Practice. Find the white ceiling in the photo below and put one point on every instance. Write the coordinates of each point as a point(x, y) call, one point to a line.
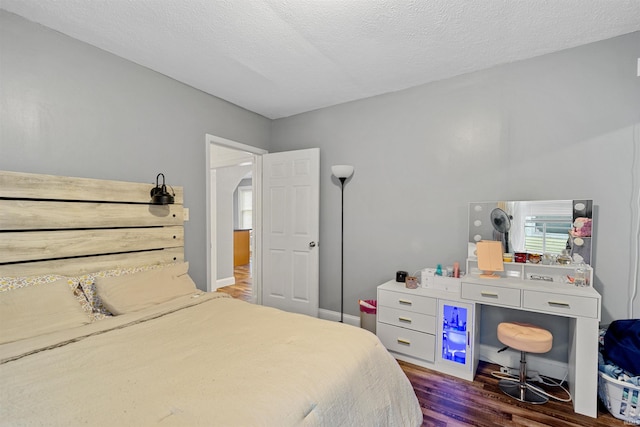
point(283, 57)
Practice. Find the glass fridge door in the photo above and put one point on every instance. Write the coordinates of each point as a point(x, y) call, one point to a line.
point(454, 333)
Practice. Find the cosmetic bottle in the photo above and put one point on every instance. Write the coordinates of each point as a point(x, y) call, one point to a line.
point(580, 275)
point(439, 270)
point(564, 258)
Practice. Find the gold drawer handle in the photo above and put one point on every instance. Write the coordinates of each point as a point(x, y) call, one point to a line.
point(404, 319)
point(489, 294)
point(404, 302)
point(403, 341)
point(558, 304)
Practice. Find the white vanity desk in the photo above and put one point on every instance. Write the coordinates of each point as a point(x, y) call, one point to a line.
point(580, 304)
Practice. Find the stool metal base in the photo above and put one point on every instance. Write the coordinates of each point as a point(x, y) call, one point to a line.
point(522, 392)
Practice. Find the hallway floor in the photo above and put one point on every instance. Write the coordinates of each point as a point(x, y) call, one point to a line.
point(242, 289)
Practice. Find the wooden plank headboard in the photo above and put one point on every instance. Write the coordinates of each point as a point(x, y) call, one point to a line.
point(70, 226)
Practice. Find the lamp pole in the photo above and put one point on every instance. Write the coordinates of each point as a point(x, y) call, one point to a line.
point(342, 180)
point(342, 172)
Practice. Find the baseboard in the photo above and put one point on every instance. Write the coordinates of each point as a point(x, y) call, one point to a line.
point(227, 281)
point(511, 359)
point(335, 316)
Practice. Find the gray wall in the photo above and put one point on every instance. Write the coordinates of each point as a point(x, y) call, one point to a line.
point(560, 126)
point(67, 108)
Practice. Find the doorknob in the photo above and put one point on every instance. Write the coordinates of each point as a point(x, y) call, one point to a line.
point(312, 245)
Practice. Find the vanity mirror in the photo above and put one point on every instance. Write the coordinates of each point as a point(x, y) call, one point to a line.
point(544, 228)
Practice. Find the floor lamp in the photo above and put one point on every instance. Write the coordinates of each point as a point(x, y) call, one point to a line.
point(342, 172)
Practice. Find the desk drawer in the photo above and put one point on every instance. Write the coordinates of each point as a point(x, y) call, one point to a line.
point(494, 295)
point(408, 302)
point(407, 319)
point(405, 341)
point(568, 305)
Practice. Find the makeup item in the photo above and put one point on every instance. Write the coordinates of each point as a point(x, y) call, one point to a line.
point(520, 257)
point(507, 257)
point(456, 269)
point(564, 258)
point(449, 271)
point(580, 275)
point(534, 258)
point(439, 270)
point(412, 282)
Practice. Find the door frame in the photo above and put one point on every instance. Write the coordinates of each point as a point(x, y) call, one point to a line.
point(211, 250)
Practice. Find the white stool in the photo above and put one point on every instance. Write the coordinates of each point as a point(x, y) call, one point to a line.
point(527, 339)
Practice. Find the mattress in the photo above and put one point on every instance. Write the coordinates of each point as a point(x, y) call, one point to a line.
point(205, 360)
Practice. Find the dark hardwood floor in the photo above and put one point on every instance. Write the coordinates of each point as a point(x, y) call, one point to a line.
point(447, 401)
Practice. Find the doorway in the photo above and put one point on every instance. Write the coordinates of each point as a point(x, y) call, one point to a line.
point(242, 288)
point(229, 165)
point(285, 255)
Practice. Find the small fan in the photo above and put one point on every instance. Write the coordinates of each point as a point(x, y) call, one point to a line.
point(501, 222)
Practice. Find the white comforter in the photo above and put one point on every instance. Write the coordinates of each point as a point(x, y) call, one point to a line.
point(205, 361)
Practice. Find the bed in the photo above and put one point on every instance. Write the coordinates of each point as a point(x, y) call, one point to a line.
point(101, 324)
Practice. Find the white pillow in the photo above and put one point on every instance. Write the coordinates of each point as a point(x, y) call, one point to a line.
point(36, 310)
point(88, 284)
point(134, 292)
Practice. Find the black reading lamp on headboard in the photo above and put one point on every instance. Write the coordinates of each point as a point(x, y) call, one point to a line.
point(160, 195)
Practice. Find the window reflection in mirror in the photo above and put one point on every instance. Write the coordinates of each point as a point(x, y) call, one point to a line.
point(534, 227)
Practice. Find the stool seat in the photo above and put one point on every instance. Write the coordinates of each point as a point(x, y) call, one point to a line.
point(525, 337)
point(528, 339)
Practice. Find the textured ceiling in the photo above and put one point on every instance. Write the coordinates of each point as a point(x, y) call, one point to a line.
point(283, 57)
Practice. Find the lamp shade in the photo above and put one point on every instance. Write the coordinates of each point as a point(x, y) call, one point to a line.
point(342, 171)
point(159, 194)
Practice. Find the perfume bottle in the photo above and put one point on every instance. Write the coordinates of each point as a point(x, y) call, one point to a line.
point(564, 258)
point(580, 275)
point(455, 317)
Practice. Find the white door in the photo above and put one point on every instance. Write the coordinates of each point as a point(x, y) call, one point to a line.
point(290, 256)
